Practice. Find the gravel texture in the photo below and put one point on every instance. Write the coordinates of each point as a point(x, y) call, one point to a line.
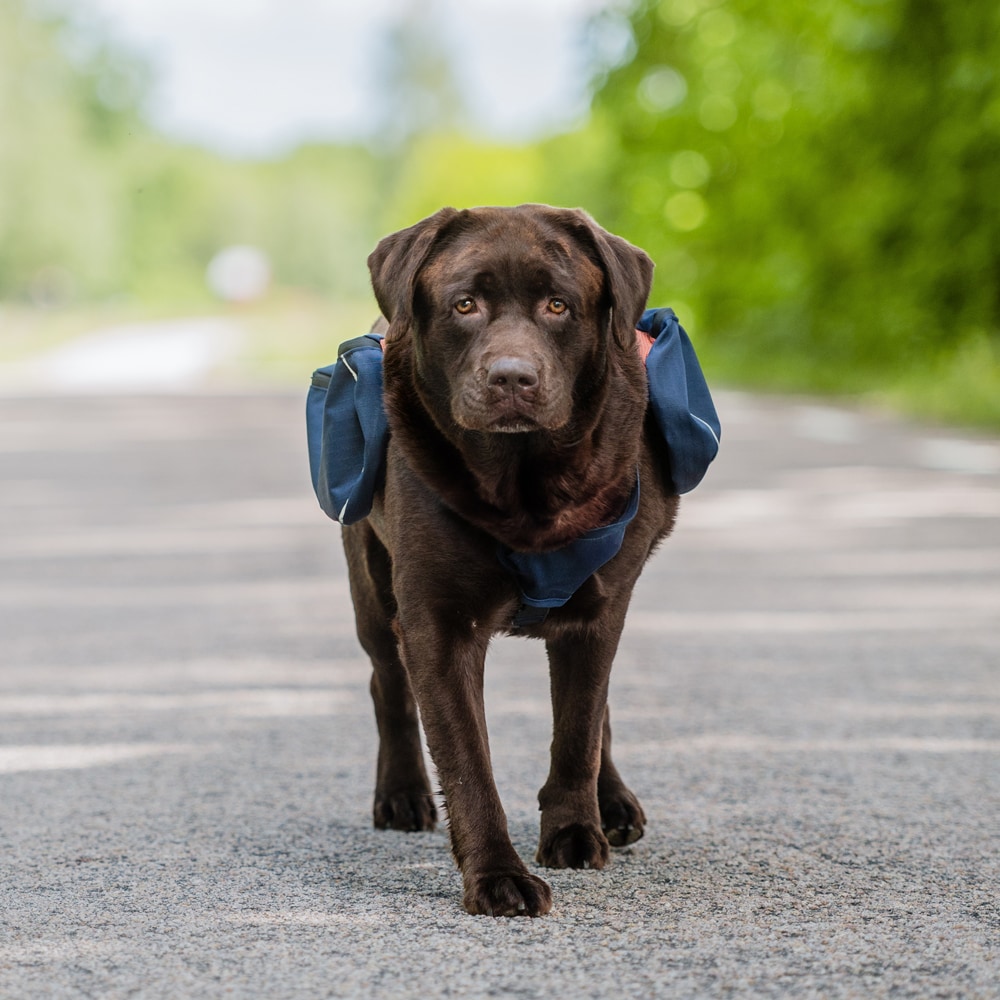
point(807, 701)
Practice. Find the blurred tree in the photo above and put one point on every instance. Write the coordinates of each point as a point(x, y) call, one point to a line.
point(93, 204)
point(63, 118)
point(816, 181)
point(418, 93)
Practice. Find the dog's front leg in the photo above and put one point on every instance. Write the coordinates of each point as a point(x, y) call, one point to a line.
point(446, 671)
point(580, 667)
point(403, 799)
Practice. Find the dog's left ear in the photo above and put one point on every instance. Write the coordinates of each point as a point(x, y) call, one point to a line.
point(394, 265)
point(629, 275)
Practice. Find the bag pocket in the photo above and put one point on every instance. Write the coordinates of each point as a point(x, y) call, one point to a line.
point(347, 430)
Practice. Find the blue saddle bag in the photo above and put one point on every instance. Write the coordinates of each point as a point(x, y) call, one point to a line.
point(679, 399)
point(348, 431)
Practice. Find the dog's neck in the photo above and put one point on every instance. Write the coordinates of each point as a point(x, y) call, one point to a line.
point(552, 485)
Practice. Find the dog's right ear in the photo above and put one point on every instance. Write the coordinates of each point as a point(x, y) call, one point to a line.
point(395, 263)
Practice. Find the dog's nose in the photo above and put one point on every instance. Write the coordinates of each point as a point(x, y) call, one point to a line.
point(515, 374)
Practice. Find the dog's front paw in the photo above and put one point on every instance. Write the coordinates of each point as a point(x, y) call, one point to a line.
point(579, 845)
point(622, 818)
point(404, 810)
point(509, 893)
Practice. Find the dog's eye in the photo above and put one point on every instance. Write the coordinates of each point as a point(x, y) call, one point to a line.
point(557, 306)
point(465, 305)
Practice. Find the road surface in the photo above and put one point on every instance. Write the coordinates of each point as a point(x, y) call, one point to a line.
point(807, 701)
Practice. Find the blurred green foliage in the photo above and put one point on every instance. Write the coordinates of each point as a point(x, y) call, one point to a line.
point(94, 205)
point(818, 184)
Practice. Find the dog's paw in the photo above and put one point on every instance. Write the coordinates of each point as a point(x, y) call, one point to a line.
point(409, 811)
point(622, 818)
point(510, 893)
point(578, 845)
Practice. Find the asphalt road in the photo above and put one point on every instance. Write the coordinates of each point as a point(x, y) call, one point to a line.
point(807, 701)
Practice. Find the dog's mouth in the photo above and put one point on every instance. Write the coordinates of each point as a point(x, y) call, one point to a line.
point(491, 416)
point(496, 420)
point(500, 405)
point(513, 424)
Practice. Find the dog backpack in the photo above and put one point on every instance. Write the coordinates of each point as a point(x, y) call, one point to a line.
point(348, 431)
point(678, 397)
point(348, 435)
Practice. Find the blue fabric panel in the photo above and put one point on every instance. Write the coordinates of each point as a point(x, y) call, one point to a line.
point(550, 579)
point(680, 400)
point(348, 431)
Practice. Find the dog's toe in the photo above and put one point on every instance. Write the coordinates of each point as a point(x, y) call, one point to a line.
point(507, 894)
point(622, 818)
point(578, 845)
point(408, 811)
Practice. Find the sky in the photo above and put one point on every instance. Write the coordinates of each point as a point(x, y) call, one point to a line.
point(257, 77)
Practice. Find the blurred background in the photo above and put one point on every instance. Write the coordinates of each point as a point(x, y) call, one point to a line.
point(193, 188)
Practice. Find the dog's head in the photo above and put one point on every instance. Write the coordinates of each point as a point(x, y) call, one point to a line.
point(510, 313)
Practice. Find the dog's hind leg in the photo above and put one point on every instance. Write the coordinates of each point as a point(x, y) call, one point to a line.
point(403, 798)
point(622, 818)
point(571, 834)
point(585, 804)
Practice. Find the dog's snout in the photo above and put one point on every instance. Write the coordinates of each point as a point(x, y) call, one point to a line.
point(512, 374)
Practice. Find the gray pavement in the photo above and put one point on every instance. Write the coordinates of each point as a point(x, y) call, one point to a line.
point(807, 701)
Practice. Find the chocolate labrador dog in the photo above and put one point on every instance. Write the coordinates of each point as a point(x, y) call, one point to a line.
point(519, 434)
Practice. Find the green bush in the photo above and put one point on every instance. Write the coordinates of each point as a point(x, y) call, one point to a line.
point(817, 183)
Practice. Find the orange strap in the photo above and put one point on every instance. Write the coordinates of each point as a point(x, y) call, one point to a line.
point(644, 341)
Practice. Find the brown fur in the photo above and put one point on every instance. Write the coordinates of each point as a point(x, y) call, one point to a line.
point(513, 419)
